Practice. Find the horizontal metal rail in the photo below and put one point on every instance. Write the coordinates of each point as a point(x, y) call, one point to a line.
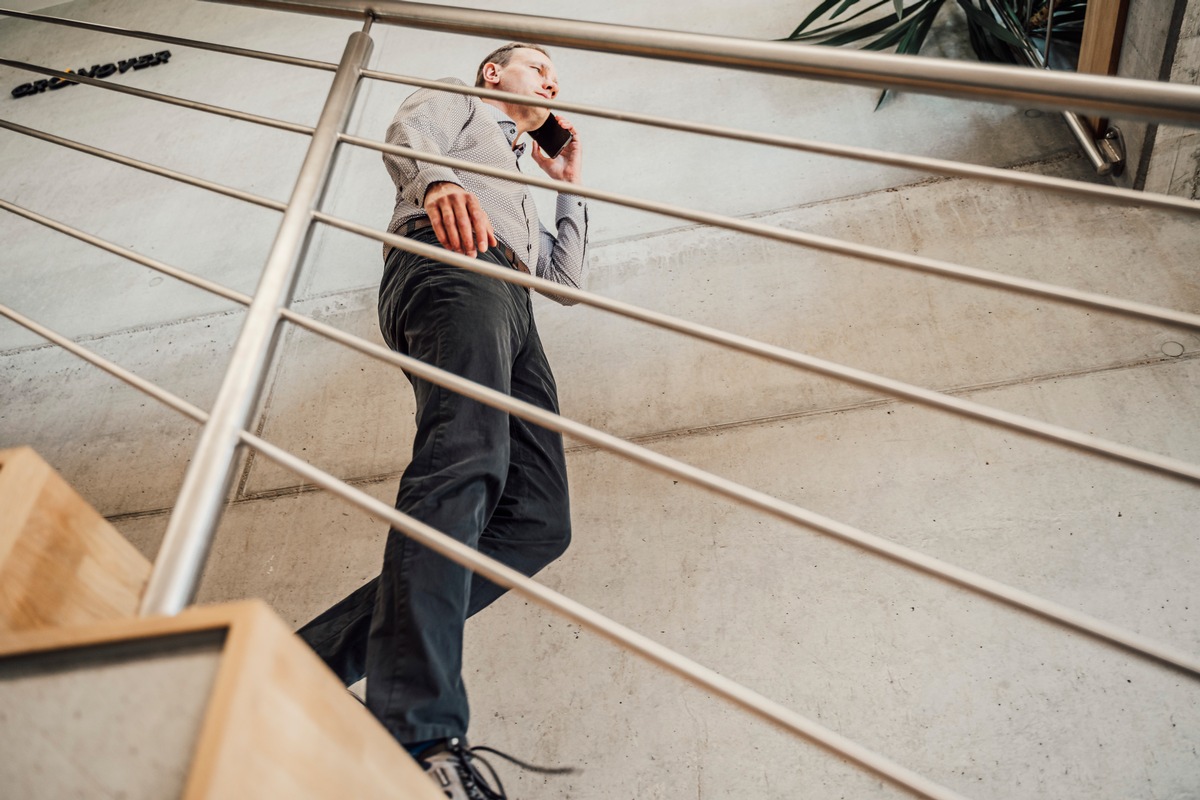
point(871, 543)
point(939, 166)
point(195, 105)
point(747, 699)
point(137, 382)
point(827, 244)
point(179, 40)
point(923, 163)
point(1013, 85)
point(1165, 465)
point(126, 253)
point(1064, 436)
point(154, 169)
point(1028, 287)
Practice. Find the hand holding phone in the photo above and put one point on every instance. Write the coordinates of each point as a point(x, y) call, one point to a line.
point(551, 136)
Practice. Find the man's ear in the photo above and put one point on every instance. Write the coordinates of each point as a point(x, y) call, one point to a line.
point(491, 72)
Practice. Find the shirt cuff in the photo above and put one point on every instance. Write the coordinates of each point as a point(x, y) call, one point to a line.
point(416, 189)
point(570, 206)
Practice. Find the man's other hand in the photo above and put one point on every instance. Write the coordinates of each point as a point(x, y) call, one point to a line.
point(569, 164)
point(461, 224)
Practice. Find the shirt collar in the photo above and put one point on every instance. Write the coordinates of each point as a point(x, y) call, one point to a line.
point(508, 127)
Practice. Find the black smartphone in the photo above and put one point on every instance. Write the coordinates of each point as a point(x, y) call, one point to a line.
point(551, 137)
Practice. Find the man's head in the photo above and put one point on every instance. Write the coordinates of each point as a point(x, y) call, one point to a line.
point(524, 69)
point(502, 56)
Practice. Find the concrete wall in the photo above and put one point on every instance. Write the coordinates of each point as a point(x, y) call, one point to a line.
point(1174, 167)
point(1162, 42)
point(990, 702)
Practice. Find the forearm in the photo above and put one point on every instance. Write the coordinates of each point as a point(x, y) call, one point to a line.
point(563, 257)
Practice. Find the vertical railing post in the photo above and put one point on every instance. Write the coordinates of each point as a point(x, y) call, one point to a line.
point(206, 485)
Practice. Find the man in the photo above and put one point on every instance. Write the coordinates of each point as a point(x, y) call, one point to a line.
point(492, 481)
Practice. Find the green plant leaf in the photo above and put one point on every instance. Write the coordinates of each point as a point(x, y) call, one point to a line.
point(866, 30)
point(899, 4)
point(888, 39)
point(814, 16)
point(911, 43)
point(845, 4)
point(988, 23)
point(818, 31)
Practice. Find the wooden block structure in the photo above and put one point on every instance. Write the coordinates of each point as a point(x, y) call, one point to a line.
point(218, 703)
point(1100, 48)
point(61, 563)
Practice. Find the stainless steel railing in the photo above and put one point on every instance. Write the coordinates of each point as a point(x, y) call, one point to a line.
point(202, 497)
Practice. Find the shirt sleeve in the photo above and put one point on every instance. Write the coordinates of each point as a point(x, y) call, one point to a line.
point(429, 121)
point(563, 258)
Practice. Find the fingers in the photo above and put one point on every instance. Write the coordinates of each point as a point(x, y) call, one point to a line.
point(439, 227)
point(459, 221)
point(479, 224)
point(462, 220)
point(567, 166)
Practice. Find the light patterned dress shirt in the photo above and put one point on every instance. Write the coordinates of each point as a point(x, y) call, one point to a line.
point(461, 126)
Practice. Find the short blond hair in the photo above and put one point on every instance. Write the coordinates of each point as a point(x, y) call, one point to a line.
point(502, 55)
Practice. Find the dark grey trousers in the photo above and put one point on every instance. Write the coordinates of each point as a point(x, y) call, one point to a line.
point(493, 482)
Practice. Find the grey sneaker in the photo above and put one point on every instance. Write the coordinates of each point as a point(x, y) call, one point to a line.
point(450, 763)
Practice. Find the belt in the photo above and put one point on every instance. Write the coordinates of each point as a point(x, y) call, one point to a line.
point(420, 223)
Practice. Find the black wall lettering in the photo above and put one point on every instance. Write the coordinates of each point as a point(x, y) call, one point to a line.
point(97, 71)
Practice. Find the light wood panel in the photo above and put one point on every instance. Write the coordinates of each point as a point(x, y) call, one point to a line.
point(278, 722)
point(1100, 49)
point(61, 563)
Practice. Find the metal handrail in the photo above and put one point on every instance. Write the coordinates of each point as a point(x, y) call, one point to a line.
point(226, 49)
point(153, 169)
point(870, 155)
point(904, 556)
point(824, 243)
point(878, 255)
point(195, 105)
point(938, 166)
point(746, 699)
point(201, 500)
point(827, 244)
point(1133, 99)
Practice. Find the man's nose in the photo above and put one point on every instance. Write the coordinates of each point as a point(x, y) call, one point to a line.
point(550, 85)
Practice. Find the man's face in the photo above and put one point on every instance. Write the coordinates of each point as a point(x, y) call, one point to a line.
point(528, 72)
